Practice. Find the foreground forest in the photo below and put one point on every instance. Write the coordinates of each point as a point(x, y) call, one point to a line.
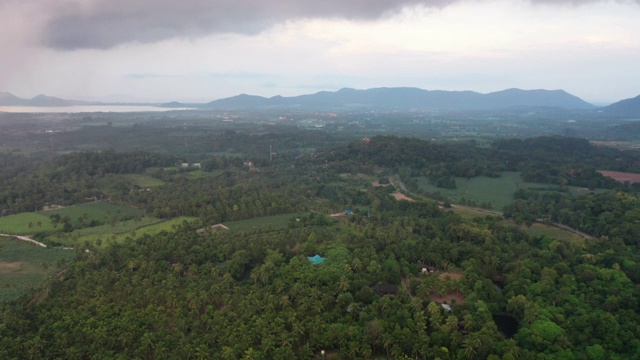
point(409, 278)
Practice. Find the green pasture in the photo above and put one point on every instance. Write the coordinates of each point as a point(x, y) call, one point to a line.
point(495, 191)
point(24, 223)
point(552, 231)
point(198, 174)
point(100, 211)
point(153, 229)
point(24, 266)
point(143, 181)
point(277, 222)
point(103, 232)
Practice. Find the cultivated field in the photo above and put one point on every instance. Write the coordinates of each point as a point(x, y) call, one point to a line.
point(24, 266)
point(621, 176)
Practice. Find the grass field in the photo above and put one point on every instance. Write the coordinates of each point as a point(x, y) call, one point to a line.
point(103, 232)
point(168, 225)
point(100, 211)
point(198, 174)
point(551, 231)
point(143, 181)
point(495, 191)
point(277, 222)
point(24, 266)
point(19, 223)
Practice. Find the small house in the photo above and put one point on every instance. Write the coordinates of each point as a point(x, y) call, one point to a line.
point(424, 268)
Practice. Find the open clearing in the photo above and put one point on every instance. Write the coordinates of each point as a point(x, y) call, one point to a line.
point(103, 232)
point(101, 211)
point(450, 298)
point(401, 196)
point(25, 223)
point(169, 225)
point(276, 222)
point(143, 181)
point(24, 266)
point(497, 192)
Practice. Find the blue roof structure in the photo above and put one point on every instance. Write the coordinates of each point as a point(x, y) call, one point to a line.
point(316, 259)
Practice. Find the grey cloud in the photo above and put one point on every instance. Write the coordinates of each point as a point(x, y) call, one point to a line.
point(103, 24)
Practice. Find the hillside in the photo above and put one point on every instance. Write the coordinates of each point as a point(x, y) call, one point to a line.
point(627, 107)
point(408, 98)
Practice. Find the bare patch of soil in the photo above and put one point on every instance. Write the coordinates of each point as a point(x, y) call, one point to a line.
point(621, 176)
point(448, 298)
point(401, 196)
point(452, 276)
point(7, 267)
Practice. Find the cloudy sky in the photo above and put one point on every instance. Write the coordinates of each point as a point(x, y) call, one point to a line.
point(200, 50)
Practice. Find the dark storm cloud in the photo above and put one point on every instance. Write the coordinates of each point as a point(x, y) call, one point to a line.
point(103, 24)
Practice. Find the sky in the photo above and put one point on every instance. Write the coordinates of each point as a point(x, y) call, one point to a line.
point(202, 50)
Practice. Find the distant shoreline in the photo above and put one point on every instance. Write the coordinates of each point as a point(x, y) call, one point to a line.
point(86, 109)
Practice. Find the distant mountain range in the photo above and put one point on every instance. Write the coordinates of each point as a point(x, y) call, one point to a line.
point(8, 99)
point(401, 98)
point(628, 107)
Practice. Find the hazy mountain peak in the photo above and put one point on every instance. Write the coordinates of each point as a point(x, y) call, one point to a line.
point(412, 98)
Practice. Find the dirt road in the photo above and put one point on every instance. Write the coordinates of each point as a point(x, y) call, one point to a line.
point(25, 238)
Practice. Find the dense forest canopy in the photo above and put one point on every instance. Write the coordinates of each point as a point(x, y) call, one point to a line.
point(401, 278)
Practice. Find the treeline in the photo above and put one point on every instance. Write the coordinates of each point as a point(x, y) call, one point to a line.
point(563, 160)
point(550, 160)
point(29, 183)
point(611, 214)
point(222, 198)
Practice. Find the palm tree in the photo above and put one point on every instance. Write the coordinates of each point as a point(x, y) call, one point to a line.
point(471, 345)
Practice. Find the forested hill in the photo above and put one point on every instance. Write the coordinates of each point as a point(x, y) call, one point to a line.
point(408, 98)
point(627, 107)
